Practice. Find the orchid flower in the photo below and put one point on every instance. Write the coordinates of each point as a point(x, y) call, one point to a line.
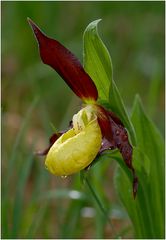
point(93, 129)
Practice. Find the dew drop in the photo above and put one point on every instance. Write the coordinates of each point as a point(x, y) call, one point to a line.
point(63, 176)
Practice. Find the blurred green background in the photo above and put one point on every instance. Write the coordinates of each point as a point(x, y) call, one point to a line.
point(134, 35)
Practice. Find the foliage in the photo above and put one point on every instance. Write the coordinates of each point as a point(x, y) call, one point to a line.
point(36, 205)
point(148, 156)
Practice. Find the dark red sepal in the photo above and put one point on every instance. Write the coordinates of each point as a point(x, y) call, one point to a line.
point(66, 64)
point(106, 145)
point(121, 140)
point(115, 118)
point(104, 122)
point(115, 136)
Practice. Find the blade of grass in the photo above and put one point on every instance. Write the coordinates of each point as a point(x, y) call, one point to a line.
point(153, 94)
point(15, 149)
point(100, 205)
point(70, 225)
point(19, 197)
point(98, 181)
point(38, 217)
point(13, 157)
point(146, 212)
point(5, 224)
point(152, 144)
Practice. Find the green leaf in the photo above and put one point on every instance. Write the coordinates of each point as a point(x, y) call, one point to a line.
point(139, 209)
point(151, 143)
point(97, 61)
point(144, 164)
point(98, 64)
point(147, 210)
point(124, 189)
point(149, 138)
point(154, 92)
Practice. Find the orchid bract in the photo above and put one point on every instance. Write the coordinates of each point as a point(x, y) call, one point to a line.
point(93, 130)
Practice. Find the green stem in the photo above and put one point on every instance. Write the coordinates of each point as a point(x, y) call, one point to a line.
point(100, 205)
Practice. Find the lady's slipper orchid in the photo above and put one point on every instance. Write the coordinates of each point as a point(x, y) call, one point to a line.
point(78, 147)
point(93, 129)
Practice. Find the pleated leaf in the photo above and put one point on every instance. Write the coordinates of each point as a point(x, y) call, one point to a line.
point(98, 64)
point(97, 61)
point(147, 211)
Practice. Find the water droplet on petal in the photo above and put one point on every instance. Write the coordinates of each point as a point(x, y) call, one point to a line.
point(63, 176)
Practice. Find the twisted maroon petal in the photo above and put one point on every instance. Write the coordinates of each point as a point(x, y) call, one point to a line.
point(104, 122)
point(120, 137)
point(115, 118)
point(115, 136)
point(106, 145)
point(66, 64)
